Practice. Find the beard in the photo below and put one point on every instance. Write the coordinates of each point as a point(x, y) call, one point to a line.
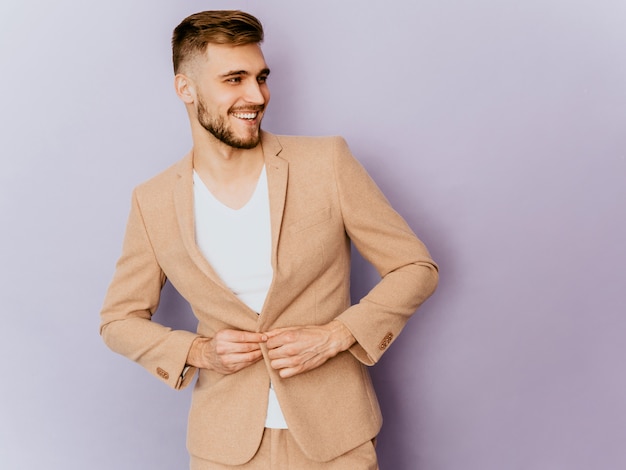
point(218, 128)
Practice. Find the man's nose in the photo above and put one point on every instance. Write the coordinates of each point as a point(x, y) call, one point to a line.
point(254, 94)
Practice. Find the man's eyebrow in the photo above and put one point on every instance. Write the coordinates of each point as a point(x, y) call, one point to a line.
point(233, 73)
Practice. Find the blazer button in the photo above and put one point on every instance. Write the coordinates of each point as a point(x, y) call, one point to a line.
point(386, 341)
point(162, 373)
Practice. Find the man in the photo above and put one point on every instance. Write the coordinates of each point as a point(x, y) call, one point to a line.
point(254, 231)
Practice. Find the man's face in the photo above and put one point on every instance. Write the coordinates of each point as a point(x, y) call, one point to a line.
point(232, 93)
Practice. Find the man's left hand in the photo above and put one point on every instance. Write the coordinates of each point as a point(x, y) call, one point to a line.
point(295, 350)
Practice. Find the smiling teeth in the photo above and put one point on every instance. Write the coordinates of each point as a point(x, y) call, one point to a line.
point(245, 115)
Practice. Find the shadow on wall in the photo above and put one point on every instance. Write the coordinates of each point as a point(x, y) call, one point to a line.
point(174, 311)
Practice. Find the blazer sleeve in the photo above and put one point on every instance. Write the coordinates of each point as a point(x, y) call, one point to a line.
point(408, 274)
point(133, 296)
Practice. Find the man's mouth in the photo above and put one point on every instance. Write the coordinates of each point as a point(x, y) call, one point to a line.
point(247, 116)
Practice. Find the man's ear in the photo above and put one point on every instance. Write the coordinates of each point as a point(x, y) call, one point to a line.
point(185, 88)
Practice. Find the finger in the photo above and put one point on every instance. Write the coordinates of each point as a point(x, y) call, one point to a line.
point(243, 359)
point(283, 364)
point(299, 359)
point(237, 336)
point(282, 338)
point(285, 350)
point(293, 370)
point(226, 347)
point(235, 362)
point(278, 331)
point(290, 372)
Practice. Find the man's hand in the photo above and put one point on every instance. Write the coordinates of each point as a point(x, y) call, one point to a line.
point(227, 352)
point(298, 349)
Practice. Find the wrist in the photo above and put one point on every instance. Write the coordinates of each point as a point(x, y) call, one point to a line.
point(342, 335)
point(196, 356)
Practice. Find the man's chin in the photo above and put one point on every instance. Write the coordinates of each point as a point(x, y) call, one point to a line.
point(238, 143)
point(246, 145)
point(250, 142)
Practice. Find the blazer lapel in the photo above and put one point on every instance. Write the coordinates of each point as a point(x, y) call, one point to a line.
point(277, 170)
point(277, 175)
point(183, 202)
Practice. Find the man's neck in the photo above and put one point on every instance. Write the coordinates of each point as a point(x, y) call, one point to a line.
point(230, 174)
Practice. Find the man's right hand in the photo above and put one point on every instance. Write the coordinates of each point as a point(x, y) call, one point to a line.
point(227, 352)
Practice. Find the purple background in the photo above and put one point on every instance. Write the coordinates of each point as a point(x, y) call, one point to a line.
point(496, 128)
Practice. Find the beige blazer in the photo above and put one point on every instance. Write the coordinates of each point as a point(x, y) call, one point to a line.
point(320, 200)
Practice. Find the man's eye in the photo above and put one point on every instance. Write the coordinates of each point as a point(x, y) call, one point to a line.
point(262, 79)
point(234, 80)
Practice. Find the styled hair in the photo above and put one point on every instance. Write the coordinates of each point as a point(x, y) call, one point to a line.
point(192, 36)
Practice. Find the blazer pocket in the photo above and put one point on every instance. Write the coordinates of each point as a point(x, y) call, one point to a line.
point(310, 220)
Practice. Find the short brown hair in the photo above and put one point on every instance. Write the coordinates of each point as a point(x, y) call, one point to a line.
point(196, 32)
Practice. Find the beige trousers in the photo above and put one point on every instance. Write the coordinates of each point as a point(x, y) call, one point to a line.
point(278, 451)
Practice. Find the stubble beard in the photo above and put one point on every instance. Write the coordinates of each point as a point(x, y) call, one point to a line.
point(219, 129)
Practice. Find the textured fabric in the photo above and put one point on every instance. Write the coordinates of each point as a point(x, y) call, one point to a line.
point(278, 451)
point(321, 199)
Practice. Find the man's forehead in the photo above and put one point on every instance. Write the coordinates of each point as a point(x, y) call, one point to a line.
point(248, 57)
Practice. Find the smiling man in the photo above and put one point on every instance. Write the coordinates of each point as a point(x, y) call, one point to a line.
point(254, 231)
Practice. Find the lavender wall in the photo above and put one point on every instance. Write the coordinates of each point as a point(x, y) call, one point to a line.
point(496, 128)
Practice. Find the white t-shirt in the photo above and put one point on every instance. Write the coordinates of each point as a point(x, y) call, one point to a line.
point(238, 245)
